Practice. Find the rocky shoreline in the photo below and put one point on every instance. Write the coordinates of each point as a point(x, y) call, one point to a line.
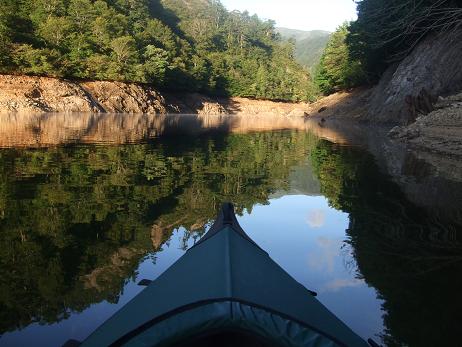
point(440, 131)
point(435, 127)
point(33, 94)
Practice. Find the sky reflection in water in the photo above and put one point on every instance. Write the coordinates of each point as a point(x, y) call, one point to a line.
point(314, 255)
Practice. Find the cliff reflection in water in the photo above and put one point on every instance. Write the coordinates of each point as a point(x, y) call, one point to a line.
point(77, 220)
point(41, 130)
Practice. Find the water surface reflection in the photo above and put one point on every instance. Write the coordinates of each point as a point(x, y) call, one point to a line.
point(88, 206)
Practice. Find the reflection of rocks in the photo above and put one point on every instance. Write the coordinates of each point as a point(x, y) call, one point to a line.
point(41, 130)
point(198, 225)
point(157, 236)
point(160, 233)
point(428, 179)
point(29, 130)
point(119, 261)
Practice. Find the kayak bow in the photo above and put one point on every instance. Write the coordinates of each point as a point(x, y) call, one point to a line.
point(224, 288)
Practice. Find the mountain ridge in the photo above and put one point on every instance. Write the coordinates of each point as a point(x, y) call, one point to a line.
point(309, 45)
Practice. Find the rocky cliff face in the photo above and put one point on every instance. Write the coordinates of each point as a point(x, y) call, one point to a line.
point(118, 97)
point(439, 132)
point(433, 69)
point(29, 94)
point(43, 94)
point(422, 95)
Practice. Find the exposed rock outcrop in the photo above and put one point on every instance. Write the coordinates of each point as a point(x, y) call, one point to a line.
point(341, 105)
point(193, 103)
point(118, 97)
point(439, 132)
point(42, 94)
point(408, 89)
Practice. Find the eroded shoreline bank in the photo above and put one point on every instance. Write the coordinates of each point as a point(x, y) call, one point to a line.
point(438, 131)
point(33, 94)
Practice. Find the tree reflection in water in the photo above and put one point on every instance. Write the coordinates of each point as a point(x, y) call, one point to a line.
point(76, 220)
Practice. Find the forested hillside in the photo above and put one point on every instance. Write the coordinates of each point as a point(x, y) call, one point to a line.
point(189, 45)
point(385, 32)
point(309, 45)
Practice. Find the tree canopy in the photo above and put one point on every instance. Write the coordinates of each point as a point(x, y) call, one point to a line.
point(337, 70)
point(191, 45)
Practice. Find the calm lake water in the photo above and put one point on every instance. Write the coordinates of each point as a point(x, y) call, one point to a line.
point(92, 204)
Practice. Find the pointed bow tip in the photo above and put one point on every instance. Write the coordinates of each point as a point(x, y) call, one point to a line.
point(227, 211)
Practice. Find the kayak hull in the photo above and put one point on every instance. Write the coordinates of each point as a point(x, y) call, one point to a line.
point(224, 285)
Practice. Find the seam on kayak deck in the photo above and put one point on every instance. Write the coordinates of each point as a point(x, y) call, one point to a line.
point(228, 262)
point(149, 324)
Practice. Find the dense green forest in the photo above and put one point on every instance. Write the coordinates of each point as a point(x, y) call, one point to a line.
point(197, 45)
point(385, 32)
point(190, 45)
point(336, 69)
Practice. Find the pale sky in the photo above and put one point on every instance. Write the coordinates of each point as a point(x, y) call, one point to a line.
point(299, 14)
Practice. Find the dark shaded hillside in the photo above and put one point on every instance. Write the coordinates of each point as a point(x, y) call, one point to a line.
point(309, 45)
point(410, 53)
point(418, 250)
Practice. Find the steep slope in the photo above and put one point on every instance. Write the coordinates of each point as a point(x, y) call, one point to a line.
point(309, 45)
point(410, 88)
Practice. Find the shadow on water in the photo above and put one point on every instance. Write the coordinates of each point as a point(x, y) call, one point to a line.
point(76, 219)
point(411, 255)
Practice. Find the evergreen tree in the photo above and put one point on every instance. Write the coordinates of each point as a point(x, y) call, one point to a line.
point(337, 70)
